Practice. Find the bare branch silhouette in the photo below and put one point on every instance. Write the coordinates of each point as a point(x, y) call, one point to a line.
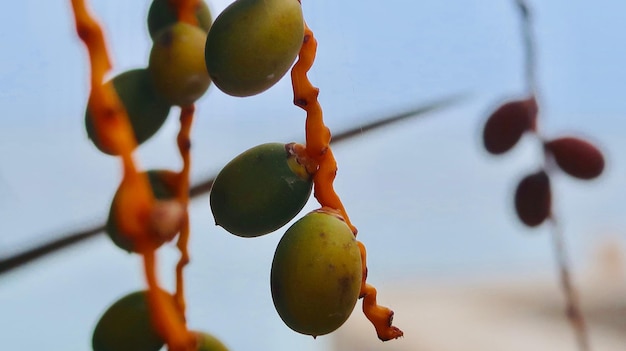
point(68, 239)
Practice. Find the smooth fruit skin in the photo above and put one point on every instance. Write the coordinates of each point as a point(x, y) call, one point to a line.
point(207, 342)
point(177, 64)
point(533, 199)
point(162, 190)
point(577, 157)
point(146, 109)
point(259, 191)
point(316, 274)
point(161, 15)
point(252, 44)
point(126, 326)
point(506, 125)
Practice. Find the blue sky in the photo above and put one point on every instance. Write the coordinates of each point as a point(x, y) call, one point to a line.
point(428, 201)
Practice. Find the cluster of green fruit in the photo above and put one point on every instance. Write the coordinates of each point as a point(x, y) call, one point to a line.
point(317, 271)
point(241, 56)
point(176, 75)
point(126, 326)
point(176, 72)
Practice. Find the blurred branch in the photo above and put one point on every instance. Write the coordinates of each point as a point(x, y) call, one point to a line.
point(71, 238)
point(529, 45)
point(573, 311)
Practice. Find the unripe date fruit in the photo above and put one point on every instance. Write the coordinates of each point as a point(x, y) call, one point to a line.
point(252, 44)
point(259, 191)
point(316, 274)
point(533, 199)
point(577, 157)
point(146, 109)
point(126, 326)
point(161, 15)
point(506, 125)
point(163, 187)
point(207, 342)
point(177, 64)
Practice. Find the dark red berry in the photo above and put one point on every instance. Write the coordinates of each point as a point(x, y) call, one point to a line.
point(533, 199)
point(506, 125)
point(576, 157)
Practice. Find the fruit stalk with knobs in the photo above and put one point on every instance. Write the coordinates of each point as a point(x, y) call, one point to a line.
point(138, 222)
point(320, 156)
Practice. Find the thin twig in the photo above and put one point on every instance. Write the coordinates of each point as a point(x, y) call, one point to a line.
point(573, 311)
point(69, 239)
point(529, 46)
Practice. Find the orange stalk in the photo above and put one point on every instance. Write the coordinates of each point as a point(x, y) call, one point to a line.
point(325, 168)
point(91, 33)
point(317, 134)
point(380, 316)
point(186, 10)
point(111, 122)
point(184, 146)
point(136, 199)
point(167, 319)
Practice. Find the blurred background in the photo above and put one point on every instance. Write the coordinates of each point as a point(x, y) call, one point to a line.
point(445, 249)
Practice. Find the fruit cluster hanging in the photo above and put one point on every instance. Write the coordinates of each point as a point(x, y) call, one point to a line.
point(319, 268)
point(572, 155)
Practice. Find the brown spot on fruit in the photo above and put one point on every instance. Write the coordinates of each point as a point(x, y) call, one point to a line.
point(316, 274)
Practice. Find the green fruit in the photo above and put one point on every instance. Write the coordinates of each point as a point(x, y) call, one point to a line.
point(253, 43)
point(316, 274)
point(207, 342)
point(259, 191)
point(177, 64)
point(146, 109)
point(161, 15)
point(162, 190)
point(126, 326)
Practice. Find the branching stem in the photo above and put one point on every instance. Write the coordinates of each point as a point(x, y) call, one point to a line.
point(573, 311)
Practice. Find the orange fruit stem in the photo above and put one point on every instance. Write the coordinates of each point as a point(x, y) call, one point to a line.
point(184, 147)
point(167, 318)
point(114, 130)
point(318, 150)
point(186, 10)
point(317, 134)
